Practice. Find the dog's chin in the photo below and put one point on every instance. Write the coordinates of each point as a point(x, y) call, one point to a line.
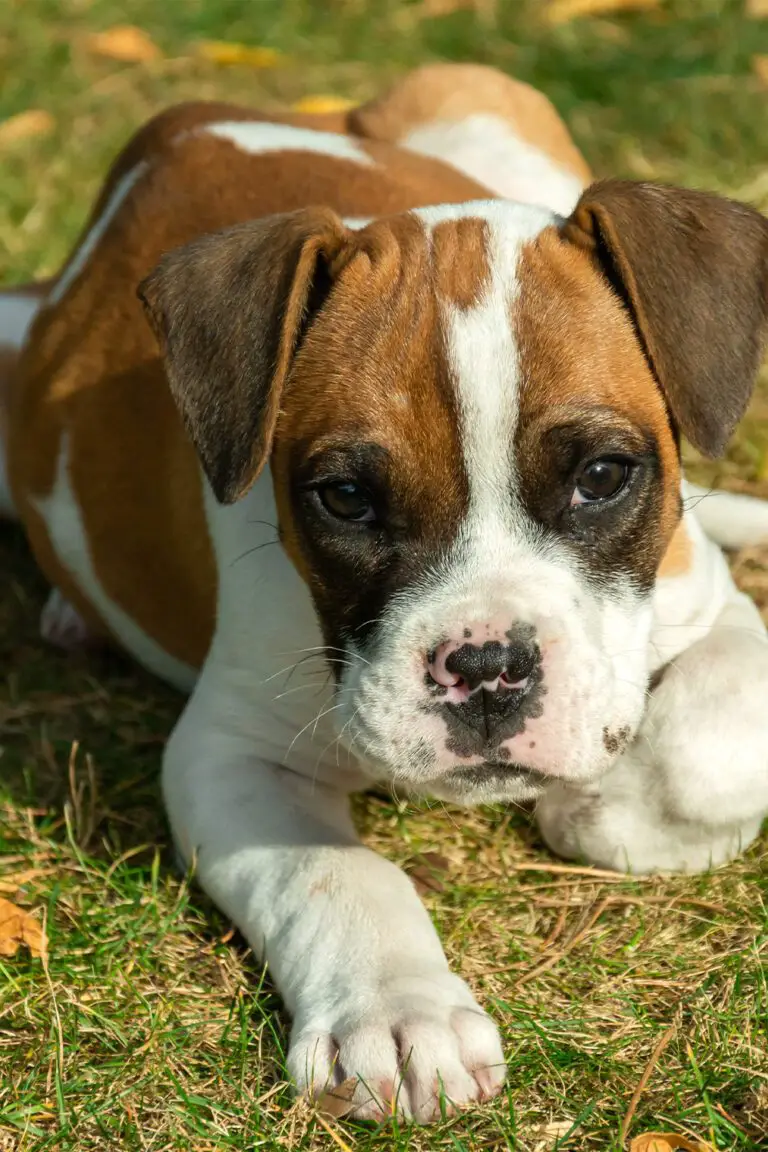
point(492, 782)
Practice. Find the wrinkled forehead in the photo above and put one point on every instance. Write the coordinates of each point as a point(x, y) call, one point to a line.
point(453, 329)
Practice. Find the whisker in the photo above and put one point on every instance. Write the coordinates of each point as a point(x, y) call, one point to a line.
point(250, 551)
point(316, 720)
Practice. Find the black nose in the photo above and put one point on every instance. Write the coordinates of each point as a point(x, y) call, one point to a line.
point(492, 661)
point(486, 717)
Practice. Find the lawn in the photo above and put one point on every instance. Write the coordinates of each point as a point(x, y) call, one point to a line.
point(149, 1026)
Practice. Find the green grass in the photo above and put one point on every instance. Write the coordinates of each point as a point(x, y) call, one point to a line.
point(152, 1027)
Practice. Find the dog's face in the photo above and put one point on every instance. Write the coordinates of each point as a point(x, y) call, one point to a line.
point(474, 452)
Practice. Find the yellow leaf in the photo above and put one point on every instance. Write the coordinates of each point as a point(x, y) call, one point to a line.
point(18, 927)
point(33, 122)
point(224, 52)
point(320, 104)
point(666, 1142)
point(760, 68)
point(561, 11)
point(757, 9)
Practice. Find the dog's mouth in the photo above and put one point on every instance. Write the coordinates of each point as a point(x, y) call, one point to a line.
point(497, 776)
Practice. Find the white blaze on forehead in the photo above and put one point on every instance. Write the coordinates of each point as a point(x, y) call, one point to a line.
point(483, 356)
point(256, 138)
point(487, 148)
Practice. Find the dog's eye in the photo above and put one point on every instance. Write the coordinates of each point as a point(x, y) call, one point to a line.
point(600, 480)
point(347, 501)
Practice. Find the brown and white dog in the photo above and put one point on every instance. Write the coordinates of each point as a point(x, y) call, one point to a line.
point(468, 376)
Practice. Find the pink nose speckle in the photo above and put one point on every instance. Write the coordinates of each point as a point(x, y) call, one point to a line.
point(436, 665)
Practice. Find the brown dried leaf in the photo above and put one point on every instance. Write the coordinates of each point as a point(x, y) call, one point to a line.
point(12, 881)
point(424, 871)
point(33, 122)
point(562, 11)
point(18, 927)
point(226, 52)
point(337, 1102)
point(124, 42)
point(666, 1142)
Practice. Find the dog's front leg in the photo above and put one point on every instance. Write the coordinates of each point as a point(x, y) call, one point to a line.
point(692, 790)
point(348, 943)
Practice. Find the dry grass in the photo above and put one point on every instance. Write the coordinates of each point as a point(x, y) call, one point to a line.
point(153, 1028)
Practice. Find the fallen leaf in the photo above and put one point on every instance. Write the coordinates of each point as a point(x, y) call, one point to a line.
point(666, 1142)
point(424, 870)
point(33, 122)
point(337, 1102)
point(760, 68)
point(756, 9)
point(18, 927)
point(547, 1135)
point(124, 42)
point(562, 11)
point(448, 7)
point(12, 881)
point(320, 104)
point(224, 52)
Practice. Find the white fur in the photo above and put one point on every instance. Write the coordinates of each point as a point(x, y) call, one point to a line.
point(17, 311)
point(64, 522)
point(732, 520)
point(82, 255)
point(255, 138)
point(61, 624)
point(487, 148)
point(692, 790)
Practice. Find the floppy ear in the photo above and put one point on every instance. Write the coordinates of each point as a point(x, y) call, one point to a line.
point(229, 311)
point(692, 269)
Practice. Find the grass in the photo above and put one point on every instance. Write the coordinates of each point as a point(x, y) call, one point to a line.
point(151, 1027)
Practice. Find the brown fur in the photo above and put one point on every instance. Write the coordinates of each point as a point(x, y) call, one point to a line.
point(692, 269)
point(94, 369)
point(460, 258)
point(403, 399)
point(580, 357)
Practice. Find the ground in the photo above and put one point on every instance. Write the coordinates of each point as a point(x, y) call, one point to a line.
point(149, 1026)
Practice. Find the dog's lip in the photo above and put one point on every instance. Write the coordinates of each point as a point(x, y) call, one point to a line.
point(498, 768)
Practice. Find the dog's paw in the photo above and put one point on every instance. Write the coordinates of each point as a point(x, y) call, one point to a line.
point(625, 825)
point(420, 1046)
point(62, 625)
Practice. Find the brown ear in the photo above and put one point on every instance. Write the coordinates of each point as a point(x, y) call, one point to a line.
point(692, 269)
point(229, 311)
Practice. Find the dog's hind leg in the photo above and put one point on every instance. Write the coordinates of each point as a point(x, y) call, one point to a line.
point(60, 622)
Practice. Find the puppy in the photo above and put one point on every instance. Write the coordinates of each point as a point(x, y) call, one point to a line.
point(406, 414)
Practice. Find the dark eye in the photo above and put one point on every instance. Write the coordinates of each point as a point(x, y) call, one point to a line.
point(600, 480)
point(347, 501)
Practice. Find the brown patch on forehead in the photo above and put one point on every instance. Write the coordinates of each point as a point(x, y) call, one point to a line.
point(460, 260)
point(373, 370)
point(579, 352)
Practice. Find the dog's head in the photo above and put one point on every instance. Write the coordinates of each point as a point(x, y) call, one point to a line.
point(472, 414)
